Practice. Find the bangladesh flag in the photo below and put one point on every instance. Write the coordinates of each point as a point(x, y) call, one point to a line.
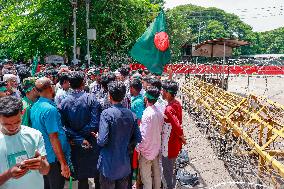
point(152, 48)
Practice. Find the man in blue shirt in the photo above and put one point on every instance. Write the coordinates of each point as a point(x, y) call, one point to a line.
point(137, 107)
point(118, 130)
point(137, 100)
point(80, 116)
point(46, 118)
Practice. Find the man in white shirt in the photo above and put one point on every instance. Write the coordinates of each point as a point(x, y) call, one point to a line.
point(63, 89)
point(22, 151)
point(151, 129)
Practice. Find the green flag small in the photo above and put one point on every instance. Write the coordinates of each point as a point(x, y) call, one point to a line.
point(152, 48)
point(35, 64)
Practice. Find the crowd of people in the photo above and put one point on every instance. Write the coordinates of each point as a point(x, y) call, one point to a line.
point(120, 128)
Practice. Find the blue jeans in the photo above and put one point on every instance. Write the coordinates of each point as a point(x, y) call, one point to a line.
point(113, 184)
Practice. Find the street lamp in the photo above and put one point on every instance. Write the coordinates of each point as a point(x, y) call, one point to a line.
point(88, 26)
point(74, 4)
point(198, 39)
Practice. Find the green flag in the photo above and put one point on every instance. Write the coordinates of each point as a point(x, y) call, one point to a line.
point(152, 48)
point(35, 64)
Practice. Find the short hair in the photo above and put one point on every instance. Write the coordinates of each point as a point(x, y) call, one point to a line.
point(170, 86)
point(23, 72)
point(156, 83)
point(140, 71)
point(117, 90)
point(64, 76)
point(136, 84)
point(124, 71)
point(152, 94)
point(48, 73)
point(146, 79)
point(111, 76)
point(146, 72)
point(106, 79)
point(136, 75)
point(54, 73)
point(10, 106)
point(76, 79)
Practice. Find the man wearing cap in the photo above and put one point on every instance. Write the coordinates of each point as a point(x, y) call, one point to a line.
point(31, 95)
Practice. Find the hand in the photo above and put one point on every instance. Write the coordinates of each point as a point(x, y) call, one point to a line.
point(65, 171)
point(85, 144)
point(33, 163)
point(17, 172)
point(183, 139)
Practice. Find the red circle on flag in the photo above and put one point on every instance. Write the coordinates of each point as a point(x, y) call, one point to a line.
point(161, 41)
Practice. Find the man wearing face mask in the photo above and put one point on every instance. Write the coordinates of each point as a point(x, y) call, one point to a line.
point(22, 151)
point(46, 118)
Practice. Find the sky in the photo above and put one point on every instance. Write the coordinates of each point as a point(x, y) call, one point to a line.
point(262, 15)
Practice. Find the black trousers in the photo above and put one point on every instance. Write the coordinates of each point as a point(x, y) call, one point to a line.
point(113, 184)
point(84, 183)
point(54, 179)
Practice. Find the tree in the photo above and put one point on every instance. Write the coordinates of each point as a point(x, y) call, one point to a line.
point(46, 26)
point(187, 20)
point(272, 41)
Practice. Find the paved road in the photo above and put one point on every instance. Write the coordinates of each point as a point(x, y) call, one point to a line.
point(203, 160)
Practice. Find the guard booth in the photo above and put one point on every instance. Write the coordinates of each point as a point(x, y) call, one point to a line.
point(217, 48)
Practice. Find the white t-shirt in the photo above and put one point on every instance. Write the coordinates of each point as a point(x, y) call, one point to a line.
point(16, 148)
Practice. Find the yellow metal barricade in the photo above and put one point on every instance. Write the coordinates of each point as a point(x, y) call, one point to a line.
point(256, 120)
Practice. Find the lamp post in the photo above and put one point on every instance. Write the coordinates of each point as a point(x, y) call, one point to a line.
point(88, 26)
point(223, 66)
point(198, 39)
point(74, 4)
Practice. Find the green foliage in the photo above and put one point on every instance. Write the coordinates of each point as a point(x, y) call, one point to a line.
point(159, 2)
point(187, 21)
point(46, 25)
point(272, 41)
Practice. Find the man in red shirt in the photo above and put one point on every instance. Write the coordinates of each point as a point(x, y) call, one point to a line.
point(172, 134)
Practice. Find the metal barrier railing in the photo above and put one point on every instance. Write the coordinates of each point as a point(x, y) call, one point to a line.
point(254, 120)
